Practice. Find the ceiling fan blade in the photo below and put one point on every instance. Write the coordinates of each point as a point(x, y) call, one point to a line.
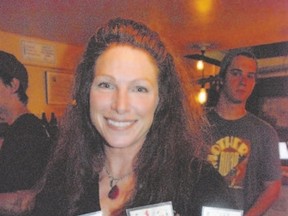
point(204, 58)
point(195, 56)
point(209, 79)
point(211, 61)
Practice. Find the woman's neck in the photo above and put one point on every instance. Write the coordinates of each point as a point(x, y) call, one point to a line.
point(120, 161)
point(116, 181)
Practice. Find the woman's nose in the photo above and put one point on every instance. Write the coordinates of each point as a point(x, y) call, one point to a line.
point(121, 101)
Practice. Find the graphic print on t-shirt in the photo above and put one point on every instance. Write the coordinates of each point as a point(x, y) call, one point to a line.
point(230, 155)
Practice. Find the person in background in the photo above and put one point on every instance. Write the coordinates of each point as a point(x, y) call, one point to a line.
point(3, 128)
point(244, 148)
point(26, 144)
point(129, 139)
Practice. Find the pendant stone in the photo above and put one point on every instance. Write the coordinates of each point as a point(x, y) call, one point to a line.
point(114, 192)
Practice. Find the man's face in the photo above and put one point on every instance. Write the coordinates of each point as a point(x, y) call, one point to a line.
point(5, 98)
point(240, 80)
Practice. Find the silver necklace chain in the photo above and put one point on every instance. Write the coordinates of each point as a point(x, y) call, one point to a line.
point(113, 180)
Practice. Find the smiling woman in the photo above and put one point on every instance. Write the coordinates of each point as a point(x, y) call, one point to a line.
point(124, 96)
point(129, 140)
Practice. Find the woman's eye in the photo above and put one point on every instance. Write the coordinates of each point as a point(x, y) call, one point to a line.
point(141, 89)
point(105, 85)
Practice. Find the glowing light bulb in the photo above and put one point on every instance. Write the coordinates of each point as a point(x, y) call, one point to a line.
point(200, 65)
point(202, 96)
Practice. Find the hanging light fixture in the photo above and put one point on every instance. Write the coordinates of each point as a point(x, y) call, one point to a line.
point(202, 95)
point(200, 65)
point(200, 62)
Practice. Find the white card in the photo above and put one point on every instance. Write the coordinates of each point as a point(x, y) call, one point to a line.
point(98, 213)
point(160, 209)
point(283, 150)
point(213, 211)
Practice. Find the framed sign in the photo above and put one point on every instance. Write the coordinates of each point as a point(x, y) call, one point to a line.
point(38, 52)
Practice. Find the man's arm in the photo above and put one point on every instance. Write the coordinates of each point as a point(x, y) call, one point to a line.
point(17, 202)
point(266, 198)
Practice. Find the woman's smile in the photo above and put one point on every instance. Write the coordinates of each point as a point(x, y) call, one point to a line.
point(120, 124)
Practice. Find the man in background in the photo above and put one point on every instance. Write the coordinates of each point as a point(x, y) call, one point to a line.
point(26, 143)
point(3, 128)
point(244, 148)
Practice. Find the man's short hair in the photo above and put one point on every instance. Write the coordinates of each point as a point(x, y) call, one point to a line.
point(11, 68)
point(228, 58)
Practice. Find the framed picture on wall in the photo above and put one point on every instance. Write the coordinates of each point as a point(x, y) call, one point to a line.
point(58, 87)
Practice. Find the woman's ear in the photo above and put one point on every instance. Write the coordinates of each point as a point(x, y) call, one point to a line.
point(14, 85)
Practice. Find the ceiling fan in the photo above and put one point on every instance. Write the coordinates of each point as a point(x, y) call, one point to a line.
point(203, 58)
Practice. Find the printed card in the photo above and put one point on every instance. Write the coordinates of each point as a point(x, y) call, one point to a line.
point(98, 213)
point(283, 151)
point(161, 209)
point(212, 211)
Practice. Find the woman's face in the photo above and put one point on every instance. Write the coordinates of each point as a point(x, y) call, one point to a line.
point(124, 95)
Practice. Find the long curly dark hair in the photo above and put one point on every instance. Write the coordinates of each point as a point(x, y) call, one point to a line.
point(172, 143)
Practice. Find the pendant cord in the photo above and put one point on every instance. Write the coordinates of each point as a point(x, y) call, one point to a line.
point(115, 180)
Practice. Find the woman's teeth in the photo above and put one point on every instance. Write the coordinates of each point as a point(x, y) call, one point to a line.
point(119, 124)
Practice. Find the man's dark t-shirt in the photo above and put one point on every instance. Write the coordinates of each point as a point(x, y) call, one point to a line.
point(24, 154)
